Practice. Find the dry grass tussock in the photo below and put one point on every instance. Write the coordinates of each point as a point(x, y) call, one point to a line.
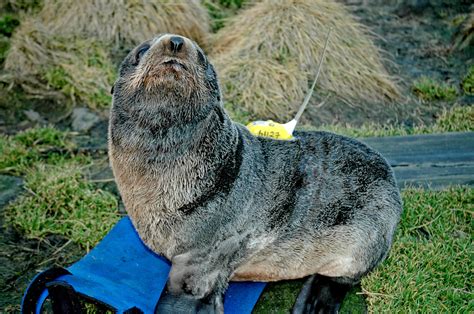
point(67, 48)
point(129, 22)
point(49, 66)
point(283, 41)
point(262, 86)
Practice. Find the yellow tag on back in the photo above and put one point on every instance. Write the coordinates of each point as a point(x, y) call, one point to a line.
point(269, 129)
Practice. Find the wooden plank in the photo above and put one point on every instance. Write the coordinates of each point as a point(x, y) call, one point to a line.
point(430, 161)
point(435, 177)
point(431, 148)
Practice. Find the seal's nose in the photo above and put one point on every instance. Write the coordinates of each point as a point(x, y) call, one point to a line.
point(176, 43)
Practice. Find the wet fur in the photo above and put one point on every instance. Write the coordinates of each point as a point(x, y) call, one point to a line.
point(222, 204)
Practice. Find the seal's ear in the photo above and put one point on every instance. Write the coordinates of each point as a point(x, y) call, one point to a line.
point(201, 57)
point(112, 89)
point(212, 82)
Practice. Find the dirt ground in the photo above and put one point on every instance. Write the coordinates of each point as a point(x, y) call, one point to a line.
point(418, 38)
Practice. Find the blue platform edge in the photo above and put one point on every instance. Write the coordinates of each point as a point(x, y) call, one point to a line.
point(123, 273)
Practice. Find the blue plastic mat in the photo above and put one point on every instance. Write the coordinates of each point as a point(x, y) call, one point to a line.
point(123, 273)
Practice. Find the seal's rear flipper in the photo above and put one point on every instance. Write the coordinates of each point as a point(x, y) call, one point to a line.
point(321, 294)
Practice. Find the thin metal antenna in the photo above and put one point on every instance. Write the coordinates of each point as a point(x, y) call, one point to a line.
point(310, 93)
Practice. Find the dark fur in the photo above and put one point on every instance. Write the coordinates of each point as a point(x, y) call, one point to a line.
point(221, 203)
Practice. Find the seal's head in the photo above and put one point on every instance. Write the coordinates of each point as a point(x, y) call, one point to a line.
point(169, 73)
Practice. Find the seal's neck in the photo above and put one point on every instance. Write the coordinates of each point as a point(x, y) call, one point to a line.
point(175, 164)
point(167, 131)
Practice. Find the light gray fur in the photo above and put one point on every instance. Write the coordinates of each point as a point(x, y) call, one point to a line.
point(321, 203)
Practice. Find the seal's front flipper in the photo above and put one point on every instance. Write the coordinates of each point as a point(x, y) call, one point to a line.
point(321, 294)
point(187, 304)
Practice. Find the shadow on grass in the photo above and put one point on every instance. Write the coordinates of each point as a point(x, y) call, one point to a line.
point(279, 297)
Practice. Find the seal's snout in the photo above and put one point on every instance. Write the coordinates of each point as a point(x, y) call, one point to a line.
point(173, 46)
point(166, 63)
point(173, 50)
point(176, 43)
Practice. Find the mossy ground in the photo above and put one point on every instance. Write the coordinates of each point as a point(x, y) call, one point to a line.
point(467, 84)
point(18, 153)
point(60, 201)
point(430, 266)
point(456, 119)
point(428, 89)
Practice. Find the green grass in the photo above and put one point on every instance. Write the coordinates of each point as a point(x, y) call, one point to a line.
point(428, 89)
point(467, 83)
point(430, 267)
point(8, 23)
point(21, 6)
point(4, 46)
point(456, 119)
point(60, 201)
point(278, 297)
point(220, 10)
point(21, 151)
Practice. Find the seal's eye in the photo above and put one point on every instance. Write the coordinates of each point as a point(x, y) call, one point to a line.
point(141, 52)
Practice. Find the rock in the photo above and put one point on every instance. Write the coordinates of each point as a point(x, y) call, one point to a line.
point(10, 187)
point(33, 116)
point(459, 234)
point(83, 119)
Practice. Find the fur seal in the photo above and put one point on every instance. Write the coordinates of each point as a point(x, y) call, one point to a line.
point(222, 204)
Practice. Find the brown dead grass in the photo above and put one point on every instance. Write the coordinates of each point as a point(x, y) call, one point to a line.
point(67, 48)
point(277, 35)
point(263, 86)
point(126, 22)
point(52, 66)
